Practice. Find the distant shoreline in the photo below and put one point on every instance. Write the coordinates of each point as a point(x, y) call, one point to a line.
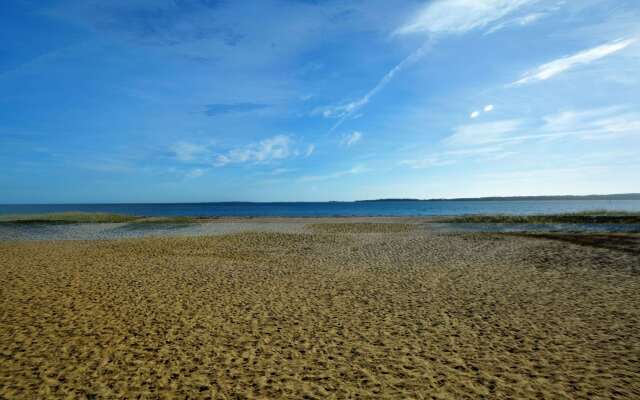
point(616, 196)
point(621, 196)
point(363, 208)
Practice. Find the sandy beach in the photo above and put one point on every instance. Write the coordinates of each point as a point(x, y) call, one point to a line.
point(320, 309)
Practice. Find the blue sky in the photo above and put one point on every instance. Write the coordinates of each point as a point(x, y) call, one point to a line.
point(216, 100)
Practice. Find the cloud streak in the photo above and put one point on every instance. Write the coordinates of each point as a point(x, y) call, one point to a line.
point(213, 110)
point(274, 148)
point(443, 17)
point(459, 16)
point(351, 139)
point(451, 157)
point(553, 68)
point(358, 169)
point(520, 21)
point(186, 151)
point(593, 124)
point(493, 141)
point(342, 112)
point(483, 133)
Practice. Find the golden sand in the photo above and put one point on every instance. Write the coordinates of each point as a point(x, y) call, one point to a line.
point(345, 312)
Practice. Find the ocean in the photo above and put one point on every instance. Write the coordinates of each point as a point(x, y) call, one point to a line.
point(329, 209)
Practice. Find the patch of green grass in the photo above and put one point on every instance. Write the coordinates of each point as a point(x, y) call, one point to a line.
point(585, 217)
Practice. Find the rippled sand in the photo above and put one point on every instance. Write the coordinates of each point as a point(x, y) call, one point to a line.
point(345, 311)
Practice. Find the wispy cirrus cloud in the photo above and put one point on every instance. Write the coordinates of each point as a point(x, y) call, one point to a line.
point(438, 17)
point(350, 139)
point(213, 110)
point(483, 133)
point(459, 16)
point(343, 111)
point(274, 148)
point(553, 68)
point(497, 140)
point(522, 21)
point(187, 151)
point(594, 124)
point(591, 124)
point(358, 169)
point(450, 157)
point(310, 149)
point(278, 147)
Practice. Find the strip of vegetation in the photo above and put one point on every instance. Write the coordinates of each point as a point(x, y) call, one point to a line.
point(628, 243)
point(85, 217)
point(65, 218)
point(587, 217)
point(362, 227)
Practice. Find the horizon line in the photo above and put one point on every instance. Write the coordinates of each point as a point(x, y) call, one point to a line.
point(485, 198)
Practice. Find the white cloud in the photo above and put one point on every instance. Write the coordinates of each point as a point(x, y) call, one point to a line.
point(459, 16)
point(476, 114)
point(310, 149)
point(344, 111)
point(553, 68)
point(599, 123)
point(483, 133)
point(594, 124)
point(275, 148)
point(520, 21)
point(358, 169)
point(450, 16)
point(529, 19)
point(449, 157)
point(351, 139)
point(185, 151)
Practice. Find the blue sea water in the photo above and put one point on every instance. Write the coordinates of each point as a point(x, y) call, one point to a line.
point(326, 209)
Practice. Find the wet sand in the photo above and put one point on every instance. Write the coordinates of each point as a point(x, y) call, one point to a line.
point(383, 309)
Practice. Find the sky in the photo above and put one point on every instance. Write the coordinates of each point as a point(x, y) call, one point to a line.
point(312, 100)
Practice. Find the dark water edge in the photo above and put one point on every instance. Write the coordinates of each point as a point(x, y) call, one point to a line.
point(332, 209)
point(534, 228)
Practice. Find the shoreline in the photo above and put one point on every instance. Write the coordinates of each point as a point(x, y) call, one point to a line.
point(84, 226)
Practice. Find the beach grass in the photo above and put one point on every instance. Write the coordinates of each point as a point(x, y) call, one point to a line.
point(76, 217)
point(70, 217)
point(362, 227)
point(625, 242)
point(584, 217)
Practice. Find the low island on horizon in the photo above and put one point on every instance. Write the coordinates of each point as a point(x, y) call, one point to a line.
point(614, 196)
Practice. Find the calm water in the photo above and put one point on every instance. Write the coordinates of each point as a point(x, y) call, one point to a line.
point(391, 208)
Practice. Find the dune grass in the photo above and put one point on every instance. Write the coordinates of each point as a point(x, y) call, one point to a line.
point(74, 217)
point(625, 242)
point(585, 217)
point(70, 217)
point(362, 227)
